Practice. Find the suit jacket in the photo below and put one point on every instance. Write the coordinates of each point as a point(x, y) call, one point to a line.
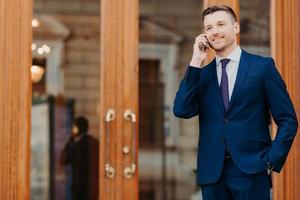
point(259, 92)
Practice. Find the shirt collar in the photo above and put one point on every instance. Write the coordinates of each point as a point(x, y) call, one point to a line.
point(235, 55)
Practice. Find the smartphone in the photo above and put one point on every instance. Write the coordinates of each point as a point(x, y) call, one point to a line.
point(208, 43)
point(205, 48)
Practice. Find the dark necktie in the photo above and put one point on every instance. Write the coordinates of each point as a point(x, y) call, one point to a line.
point(224, 84)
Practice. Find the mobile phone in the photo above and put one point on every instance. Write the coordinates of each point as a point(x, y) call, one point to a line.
point(208, 42)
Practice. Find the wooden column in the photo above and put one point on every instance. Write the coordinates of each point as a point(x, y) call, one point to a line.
point(119, 91)
point(285, 40)
point(15, 98)
point(234, 4)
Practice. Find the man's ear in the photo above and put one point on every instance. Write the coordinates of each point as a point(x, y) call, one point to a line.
point(236, 26)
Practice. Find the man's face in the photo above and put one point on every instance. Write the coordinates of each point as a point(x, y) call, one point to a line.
point(75, 130)
point(220, 30)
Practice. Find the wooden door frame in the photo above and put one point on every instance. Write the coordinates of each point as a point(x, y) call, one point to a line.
point(118, 91)
point(15, 101)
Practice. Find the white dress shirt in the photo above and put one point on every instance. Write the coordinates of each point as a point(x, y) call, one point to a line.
point(231, 68)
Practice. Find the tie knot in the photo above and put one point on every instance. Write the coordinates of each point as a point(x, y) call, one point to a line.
point(224, 62)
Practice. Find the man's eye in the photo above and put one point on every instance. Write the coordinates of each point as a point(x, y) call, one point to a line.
point(221, 24)
point(208, 28)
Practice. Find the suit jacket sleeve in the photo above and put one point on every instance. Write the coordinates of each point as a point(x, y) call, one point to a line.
point(67, 155)
point(283, 114)
point(186, 104)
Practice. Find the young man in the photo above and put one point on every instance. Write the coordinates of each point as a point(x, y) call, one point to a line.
point(233, 97)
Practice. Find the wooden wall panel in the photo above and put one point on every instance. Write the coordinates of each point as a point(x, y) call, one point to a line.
point(119, 90)
point(15, 98)
point(234, 4)
point(285, 41)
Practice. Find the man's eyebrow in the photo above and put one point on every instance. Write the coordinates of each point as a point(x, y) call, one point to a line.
point(221, 21)
point(207, 25)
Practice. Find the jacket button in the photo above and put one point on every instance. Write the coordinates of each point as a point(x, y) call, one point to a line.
point(222, 141)
point(226, 120)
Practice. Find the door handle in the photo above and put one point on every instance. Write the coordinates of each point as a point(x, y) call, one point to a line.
point(109, 169)
point(130, 170)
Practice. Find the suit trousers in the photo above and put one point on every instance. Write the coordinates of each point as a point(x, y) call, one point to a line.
point(236, 185)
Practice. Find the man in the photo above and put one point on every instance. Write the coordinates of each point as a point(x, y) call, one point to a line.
point(81, 152)
point(233, 97)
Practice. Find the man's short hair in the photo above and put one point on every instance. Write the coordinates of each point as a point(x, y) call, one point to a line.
point(215, 8)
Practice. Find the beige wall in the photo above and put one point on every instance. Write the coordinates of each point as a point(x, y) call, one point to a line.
point(82, 66)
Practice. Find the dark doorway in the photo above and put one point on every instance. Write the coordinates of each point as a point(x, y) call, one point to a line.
point(151, 138)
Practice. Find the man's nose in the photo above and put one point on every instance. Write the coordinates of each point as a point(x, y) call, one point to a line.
point(215, 33)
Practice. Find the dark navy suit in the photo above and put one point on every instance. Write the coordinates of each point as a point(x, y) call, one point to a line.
point(243, 129)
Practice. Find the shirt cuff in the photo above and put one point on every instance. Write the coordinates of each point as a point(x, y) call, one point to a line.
point(269, 168)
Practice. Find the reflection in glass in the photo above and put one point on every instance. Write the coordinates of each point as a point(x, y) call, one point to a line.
point(65, 85)
point(80, 153)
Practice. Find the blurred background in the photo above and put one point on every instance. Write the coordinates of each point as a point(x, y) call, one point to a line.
point(65, 75)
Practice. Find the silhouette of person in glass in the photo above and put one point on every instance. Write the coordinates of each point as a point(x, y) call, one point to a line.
point(81, 152)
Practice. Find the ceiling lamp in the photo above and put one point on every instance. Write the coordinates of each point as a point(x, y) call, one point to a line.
point(35, 23)
point(37, 73)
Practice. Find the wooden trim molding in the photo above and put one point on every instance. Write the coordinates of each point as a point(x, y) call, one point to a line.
point(285, 41)
point(15, 101)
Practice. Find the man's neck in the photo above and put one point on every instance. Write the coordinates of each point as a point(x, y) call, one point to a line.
point(225, 52)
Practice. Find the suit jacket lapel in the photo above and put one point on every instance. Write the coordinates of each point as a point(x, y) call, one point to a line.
point(242, 71)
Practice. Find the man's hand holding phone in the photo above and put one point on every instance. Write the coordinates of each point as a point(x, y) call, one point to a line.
point(200, 51)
